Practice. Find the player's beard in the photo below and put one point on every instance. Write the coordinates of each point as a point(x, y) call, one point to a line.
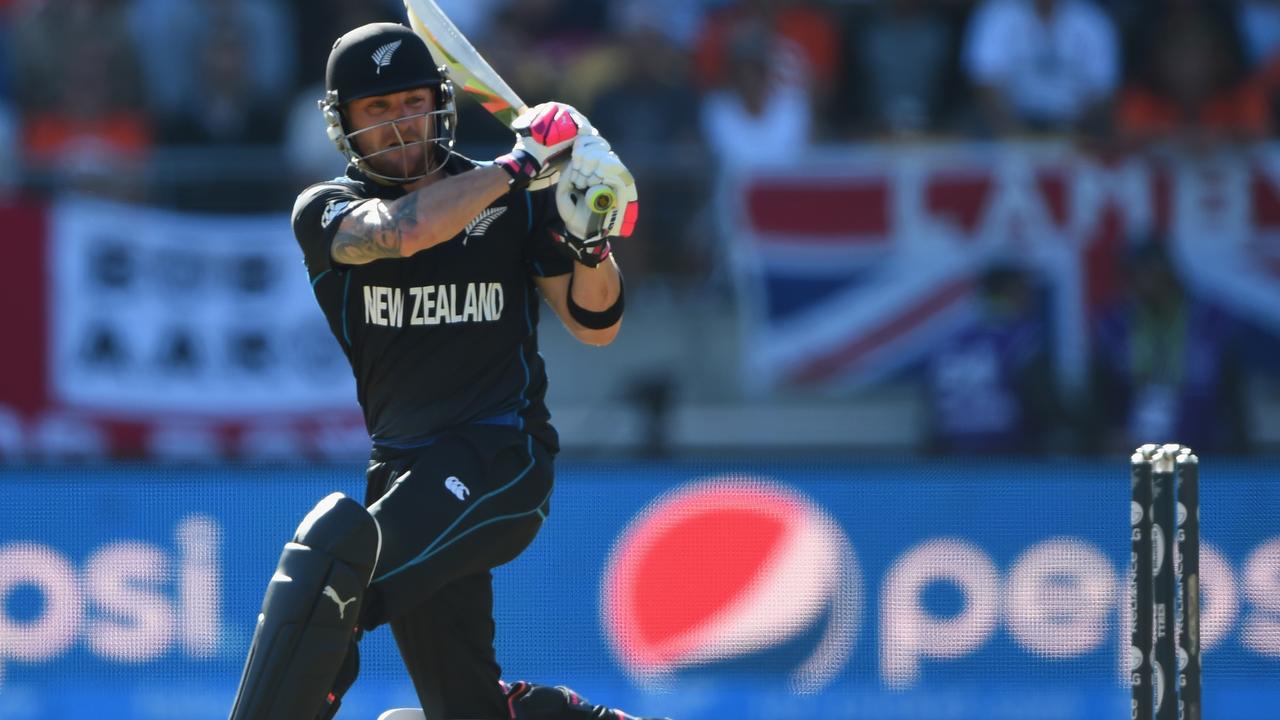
point(402, 161)
point(405, 154)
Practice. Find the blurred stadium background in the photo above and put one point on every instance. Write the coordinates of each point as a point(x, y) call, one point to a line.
point(911, 280)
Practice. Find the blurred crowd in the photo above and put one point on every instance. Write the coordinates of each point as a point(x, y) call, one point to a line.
point(210, 105)
point(1164, 364)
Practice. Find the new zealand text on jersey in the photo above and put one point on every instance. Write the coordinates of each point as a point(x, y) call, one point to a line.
point(433, 304)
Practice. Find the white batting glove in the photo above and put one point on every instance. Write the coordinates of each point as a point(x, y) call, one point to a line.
point(595, 165)
point(545, 136)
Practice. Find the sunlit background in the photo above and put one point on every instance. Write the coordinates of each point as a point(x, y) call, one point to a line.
point(911, 280)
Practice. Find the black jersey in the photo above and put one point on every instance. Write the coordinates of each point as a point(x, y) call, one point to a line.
point(446, 337)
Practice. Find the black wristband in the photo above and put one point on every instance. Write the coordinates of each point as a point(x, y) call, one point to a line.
point(606, 318)
point(520, 165)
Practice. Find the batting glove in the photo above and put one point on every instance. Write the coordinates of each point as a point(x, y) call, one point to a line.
point(594, 167)
point(544, 139)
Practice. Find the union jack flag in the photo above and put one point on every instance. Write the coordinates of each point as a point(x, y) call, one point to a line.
point(851, 266)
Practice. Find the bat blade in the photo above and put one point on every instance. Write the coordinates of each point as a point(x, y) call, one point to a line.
point(470, 72)
point(473, 75)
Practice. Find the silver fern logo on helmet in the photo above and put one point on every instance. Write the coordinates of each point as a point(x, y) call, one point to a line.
point(382, 56)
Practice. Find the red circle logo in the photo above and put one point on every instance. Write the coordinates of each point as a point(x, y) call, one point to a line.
point(726, 569)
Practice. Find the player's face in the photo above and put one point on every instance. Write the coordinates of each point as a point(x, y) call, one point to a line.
point(389, 130)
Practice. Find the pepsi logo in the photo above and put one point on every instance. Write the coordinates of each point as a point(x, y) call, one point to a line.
point(732, 570)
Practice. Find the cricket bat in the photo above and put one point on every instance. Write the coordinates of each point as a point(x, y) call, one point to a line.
point(473, 75)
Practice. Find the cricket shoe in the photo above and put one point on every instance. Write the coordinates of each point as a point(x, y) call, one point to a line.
point(527, 701)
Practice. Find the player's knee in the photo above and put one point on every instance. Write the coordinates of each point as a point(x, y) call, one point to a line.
point(303, 653)
point(343, 529)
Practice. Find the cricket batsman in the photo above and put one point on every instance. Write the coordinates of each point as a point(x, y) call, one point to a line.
point(429, 267)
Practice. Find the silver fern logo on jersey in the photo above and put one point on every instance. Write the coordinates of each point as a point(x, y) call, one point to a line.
point(382, 56)
point(480, 224)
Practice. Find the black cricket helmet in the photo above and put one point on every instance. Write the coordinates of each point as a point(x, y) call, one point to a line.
point(379, 59)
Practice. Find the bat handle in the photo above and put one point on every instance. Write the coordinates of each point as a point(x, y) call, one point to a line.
point(600, 199)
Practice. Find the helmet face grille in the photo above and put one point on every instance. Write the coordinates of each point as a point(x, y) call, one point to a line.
point(438, 147)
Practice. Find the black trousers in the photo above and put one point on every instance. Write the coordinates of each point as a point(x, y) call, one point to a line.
point(449, 513)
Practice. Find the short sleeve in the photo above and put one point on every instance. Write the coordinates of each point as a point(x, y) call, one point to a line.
point(541, 254)
point(317, 213)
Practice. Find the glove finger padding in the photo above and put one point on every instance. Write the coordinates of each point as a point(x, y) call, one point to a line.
point(575, 187)
point(588, 152)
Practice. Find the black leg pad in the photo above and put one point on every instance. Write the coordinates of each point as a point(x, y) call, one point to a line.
point(309, 614)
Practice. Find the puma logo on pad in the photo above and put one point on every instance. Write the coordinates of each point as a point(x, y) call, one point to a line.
point(332, 594)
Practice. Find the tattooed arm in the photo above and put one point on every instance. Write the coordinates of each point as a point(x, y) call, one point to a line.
point(424, 218)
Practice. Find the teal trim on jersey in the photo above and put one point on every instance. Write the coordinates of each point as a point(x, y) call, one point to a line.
point(514, 516)
point(313, 282)
point(346, 292)
point(528, 324)
point(528, 206)
point(432, 549)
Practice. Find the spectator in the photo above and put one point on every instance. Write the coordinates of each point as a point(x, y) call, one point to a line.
point(471, 16)
point(757, 118)
point(78, 90)
point(1165, 366)
point(9, 160)
point(681, 20)
point(46, 39)
point(903, 52)
point(1041, 65)
point(649, 101)
point(802, 47)
point(6, 62)
point(1192, 86)
point(321, 22)
point(1258, 24)
point(226, 111)
point(991, 389)
point(173, 33)
point(650, 111)
point(534, 44)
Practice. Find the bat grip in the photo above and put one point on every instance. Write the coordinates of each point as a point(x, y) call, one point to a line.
point(601, 199)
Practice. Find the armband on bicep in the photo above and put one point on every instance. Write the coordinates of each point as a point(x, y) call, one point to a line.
point(597, 320)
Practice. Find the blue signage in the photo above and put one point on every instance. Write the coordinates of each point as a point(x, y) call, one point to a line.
point(696, 590)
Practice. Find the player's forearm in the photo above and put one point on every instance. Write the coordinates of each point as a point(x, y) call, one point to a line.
point(595, 303)
point(435, 213)
point(596, 289)
point(424, 218)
